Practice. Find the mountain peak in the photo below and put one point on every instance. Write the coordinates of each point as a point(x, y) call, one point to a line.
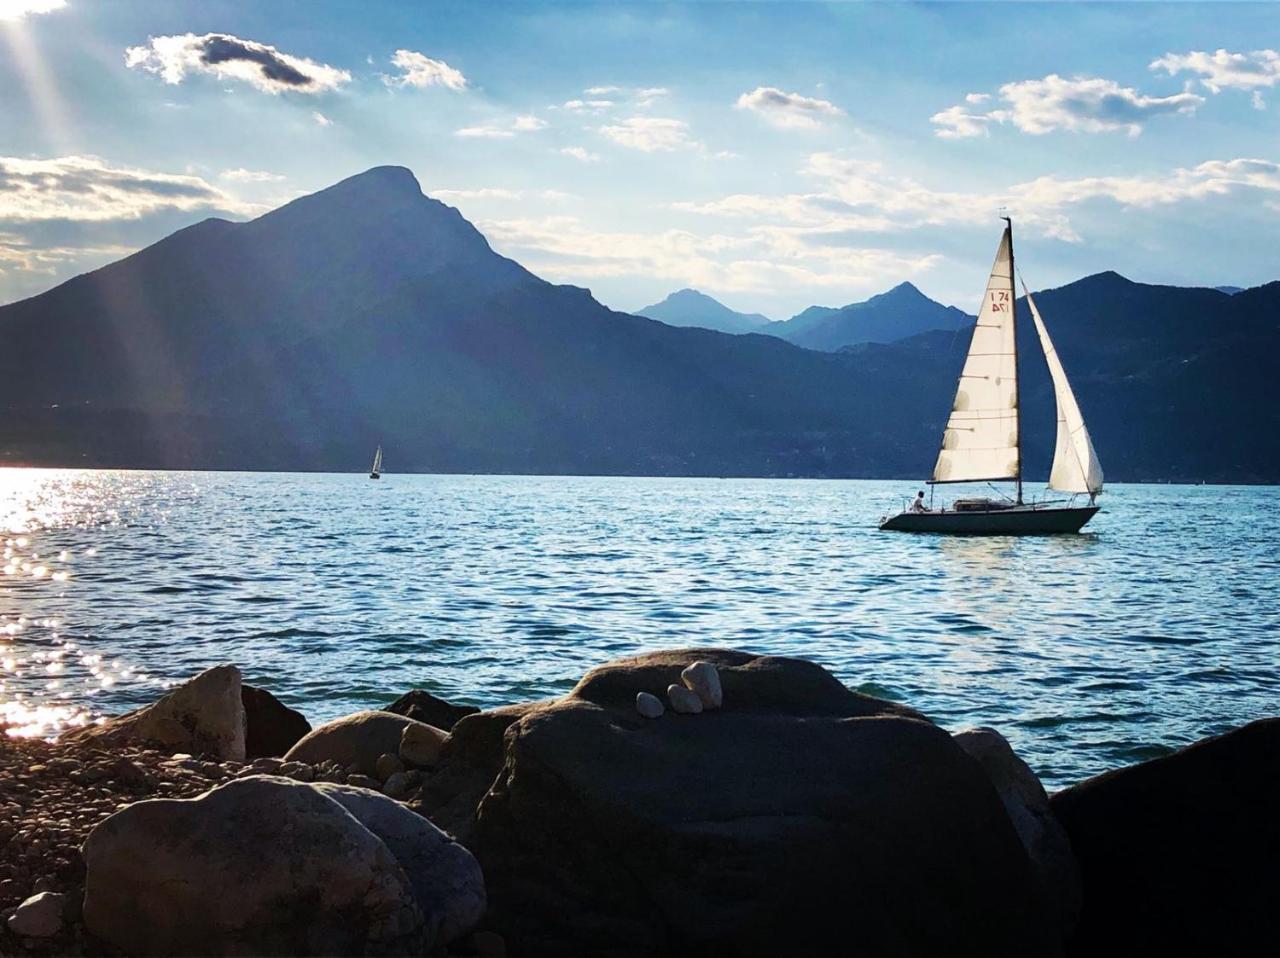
point(690, 307)
point(384, 179)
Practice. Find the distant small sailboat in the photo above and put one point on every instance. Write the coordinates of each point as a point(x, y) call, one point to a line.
point(376, 471)
point(983, 438)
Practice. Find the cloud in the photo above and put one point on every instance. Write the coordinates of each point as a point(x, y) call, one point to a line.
point(87, 189)
point(251, 176)
point(581, 154)
point(588, 106)
point(499, 193)
point(17, 9)
point(602, 90)
point(857, 196)
point(17, 253)
point(567, 250)
point(1221, 70)
point(1078, 105)
point(527, 123)
point(230, 58)
point(651, 134)
point(484, 132)
point(788, 110)
point(421, 71)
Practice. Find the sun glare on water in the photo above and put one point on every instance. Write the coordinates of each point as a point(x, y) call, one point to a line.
point(46, 519)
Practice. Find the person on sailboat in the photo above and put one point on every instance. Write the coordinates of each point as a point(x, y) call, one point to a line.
point(918, 505)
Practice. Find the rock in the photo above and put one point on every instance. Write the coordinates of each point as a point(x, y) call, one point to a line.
point(806, 819)
point(363, 781)
point(422, 706)
point(1041, 833)
point(40, 916)
point(261, 865)
point(299, 771)
point(271, 727)
point(446, 878)
point(649, 705)
point(486, 944)
point(396, 785)
point(387, 765)
point(202, 715)
point(357, 740)
point(702, 678)
point(1178, 855)
point(683, 700)
point(420, 745)
point(468, 764)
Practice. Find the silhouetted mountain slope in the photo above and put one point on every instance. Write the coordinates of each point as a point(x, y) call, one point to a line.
point(896, 314)
point(369, 313)
point(688, 307)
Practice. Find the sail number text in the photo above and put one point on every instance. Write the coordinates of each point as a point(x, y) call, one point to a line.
point(999, 300)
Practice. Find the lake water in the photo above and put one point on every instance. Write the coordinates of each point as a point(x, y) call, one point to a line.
point(1155, 628)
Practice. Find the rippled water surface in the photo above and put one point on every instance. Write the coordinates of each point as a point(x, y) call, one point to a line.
point(337, 593)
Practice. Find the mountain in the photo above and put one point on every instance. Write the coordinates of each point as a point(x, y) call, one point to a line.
point(901, 312)
point(1175, 383)
point(368, 313)
point(1229, 290)
point(688, 307)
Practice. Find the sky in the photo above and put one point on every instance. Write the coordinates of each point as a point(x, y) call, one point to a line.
point(774, 156)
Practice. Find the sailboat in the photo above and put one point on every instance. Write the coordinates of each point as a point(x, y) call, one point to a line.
point(376, 471)
point(983, 438)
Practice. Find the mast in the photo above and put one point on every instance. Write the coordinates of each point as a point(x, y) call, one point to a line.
point(1017, 381)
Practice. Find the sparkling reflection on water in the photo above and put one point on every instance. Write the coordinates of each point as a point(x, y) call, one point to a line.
point(339, 593)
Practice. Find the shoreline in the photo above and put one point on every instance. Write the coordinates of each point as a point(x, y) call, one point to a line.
point(55, 795)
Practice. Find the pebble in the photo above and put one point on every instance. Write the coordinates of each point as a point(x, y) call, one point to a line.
point(703, 679)
point(396, 785)
point(649, 705)
point(387, 765)
point(40, 916)
point(684, 701)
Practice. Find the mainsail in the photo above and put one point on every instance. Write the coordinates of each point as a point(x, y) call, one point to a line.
point(981, 441)
point(377, 461)
point(1075, 463)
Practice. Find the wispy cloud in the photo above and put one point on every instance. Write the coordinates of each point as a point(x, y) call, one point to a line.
point(320, 119)
point(581, 154)
point(499, 193)
point(251, 176)
point(528, 123)
point(788, 110)
point(1076, 104)
point(651, 134)
point(17, 9)
point(421, 71)
point(87, 189)
point(227, 57)
point(1221, 70)
point(856, 196)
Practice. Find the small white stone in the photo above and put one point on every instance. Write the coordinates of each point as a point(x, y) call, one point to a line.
point(649, 705)
point(40, 916)
point(683, 700)
point(703, 679)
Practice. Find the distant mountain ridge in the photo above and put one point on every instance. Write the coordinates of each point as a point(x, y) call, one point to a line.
point(368, 313)
point(688, 307)
point(889, 316)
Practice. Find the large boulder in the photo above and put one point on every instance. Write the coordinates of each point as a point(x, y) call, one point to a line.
point(446, 878)
point(800, 817)
point(204, 716)
point(1178, 855)
point(357, 739)
point(1027, 805)
point(271, 728)
point(421, 705)
point(261, 865)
